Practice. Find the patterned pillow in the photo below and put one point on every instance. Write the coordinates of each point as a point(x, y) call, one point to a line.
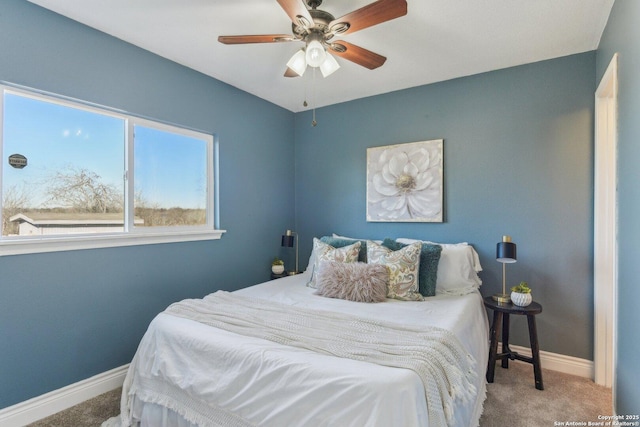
point(403, 264)
point(429, 258)
point(325, 252)
point(338, 242)
point(352, 281)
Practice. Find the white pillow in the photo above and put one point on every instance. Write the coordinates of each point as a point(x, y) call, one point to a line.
point(311, 262)
point(337, 236)
point(457, 269)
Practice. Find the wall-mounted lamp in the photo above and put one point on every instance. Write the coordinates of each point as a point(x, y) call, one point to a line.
point(506, 254)
point(290, 240)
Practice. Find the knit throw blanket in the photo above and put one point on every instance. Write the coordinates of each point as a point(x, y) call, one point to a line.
point(435, 354)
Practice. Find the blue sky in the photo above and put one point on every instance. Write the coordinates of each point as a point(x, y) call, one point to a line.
point(168, 164)
point(170, 168)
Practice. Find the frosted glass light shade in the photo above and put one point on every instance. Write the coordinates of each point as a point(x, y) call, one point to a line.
point(315, 53)
point(298, 62)
point(329, 65)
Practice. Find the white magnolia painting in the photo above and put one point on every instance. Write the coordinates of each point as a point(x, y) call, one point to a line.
point(404, 182)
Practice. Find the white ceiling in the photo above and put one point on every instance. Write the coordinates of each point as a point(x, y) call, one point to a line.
point(437, 40)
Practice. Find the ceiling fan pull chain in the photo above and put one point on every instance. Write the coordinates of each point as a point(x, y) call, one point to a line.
point(313, 100)
point(306, 85)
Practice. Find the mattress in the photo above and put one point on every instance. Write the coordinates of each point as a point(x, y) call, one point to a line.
point(187, 373)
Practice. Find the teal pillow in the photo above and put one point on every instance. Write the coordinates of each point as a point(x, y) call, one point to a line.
point(337, 242)
point(429, 258)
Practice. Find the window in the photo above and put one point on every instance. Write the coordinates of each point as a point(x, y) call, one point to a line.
point(170, 180)
point(76, 176)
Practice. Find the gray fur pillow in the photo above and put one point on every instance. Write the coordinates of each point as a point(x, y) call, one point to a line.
point(353, 281)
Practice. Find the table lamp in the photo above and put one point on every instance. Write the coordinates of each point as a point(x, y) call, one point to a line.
point(506, 254)
point(290, 240)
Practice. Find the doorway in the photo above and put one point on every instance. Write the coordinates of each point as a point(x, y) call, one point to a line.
point(605, 226)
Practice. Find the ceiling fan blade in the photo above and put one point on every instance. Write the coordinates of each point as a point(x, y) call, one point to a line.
point(297, 11)
point(367, 16)
point(290, 73)
point(357, 54)
point(264, 38)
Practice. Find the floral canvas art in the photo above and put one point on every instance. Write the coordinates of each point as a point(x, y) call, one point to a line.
point(404, 182)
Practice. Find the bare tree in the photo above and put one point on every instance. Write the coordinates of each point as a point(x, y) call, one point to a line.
point(83, 191)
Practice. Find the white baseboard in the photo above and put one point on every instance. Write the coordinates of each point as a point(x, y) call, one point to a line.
point(558, 362)
point(55, 401)
point(58, 400)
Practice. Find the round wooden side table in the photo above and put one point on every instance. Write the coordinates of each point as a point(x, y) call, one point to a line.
point(501, 313)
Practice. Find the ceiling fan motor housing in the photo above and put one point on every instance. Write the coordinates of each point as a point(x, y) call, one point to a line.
point(320, 25)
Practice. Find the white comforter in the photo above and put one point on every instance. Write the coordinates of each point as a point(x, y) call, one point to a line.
point(251, 381)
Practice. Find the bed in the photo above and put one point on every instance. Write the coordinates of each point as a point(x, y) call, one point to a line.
point(330, 361)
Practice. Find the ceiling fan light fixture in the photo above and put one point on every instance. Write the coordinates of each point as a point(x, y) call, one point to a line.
point(329, 65)
point(298, 62)
point(315, 53)
point(317, 28)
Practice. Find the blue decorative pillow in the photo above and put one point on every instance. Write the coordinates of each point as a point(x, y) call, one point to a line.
point(337, 242)
point(429, 258)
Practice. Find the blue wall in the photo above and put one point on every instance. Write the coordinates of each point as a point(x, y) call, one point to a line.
point(67, 316)
point(518, 160)
point(622, 35)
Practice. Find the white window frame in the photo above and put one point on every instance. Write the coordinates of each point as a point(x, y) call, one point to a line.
point(131, 236)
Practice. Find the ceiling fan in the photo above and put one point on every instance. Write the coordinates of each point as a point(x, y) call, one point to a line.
point(317, 28)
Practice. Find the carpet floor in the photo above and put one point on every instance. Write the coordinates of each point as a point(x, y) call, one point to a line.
point(512, 400)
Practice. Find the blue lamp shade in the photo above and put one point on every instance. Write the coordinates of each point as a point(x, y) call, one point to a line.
point(506, 251)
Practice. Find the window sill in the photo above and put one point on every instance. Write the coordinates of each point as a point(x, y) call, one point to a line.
point(94, 241)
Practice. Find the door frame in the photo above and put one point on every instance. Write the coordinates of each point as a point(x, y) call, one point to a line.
point(605, 233)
